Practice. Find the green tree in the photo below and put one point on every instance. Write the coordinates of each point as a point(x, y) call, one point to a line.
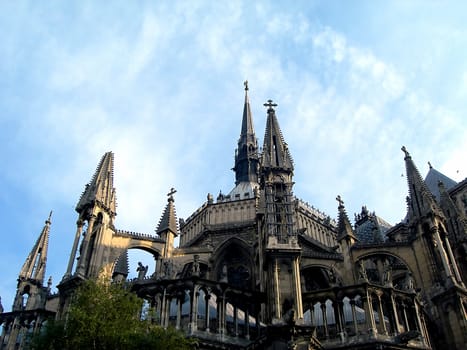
point(107, 316)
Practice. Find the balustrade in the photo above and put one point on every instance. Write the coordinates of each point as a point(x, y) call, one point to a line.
point(362, 312)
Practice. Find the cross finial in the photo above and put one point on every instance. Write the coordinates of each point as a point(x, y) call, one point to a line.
point(270, 105)
point(246, 85)
point(340, 201)
point(405, 151)
point(171, 193)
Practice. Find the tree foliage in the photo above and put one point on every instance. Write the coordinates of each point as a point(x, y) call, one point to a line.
point(103, 316)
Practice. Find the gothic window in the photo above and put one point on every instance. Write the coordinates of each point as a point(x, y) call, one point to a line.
point(234, 267)
point(25, 298)
point(315, 278)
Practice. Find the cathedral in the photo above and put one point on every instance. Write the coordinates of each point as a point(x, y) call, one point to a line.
point(260, 268)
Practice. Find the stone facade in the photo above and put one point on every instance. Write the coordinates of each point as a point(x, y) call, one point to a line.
point(259, 268)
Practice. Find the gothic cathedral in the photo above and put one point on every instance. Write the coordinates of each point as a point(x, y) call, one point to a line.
point(259, 268)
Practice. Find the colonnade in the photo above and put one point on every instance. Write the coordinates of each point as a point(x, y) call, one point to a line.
point(365, 311)
point(14, 330)
point(203, 307)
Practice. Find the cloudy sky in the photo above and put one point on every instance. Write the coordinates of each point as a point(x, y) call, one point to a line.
point(160, 84)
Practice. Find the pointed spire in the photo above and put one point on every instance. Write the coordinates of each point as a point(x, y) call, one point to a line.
point(344, 228)
point(168, 220)
point(121, 267)
point(247, 134)
point(100, 190)
point(34, 266)
point(420, 200)
point(246, 154)
point(275, 151)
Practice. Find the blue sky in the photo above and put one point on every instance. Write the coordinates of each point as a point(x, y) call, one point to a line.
point(161, 85)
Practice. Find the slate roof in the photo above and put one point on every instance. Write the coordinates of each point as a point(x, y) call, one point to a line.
point(432, 179)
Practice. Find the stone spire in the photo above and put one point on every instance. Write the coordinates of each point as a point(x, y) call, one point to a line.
point(121, 267)
point(168, 228)
point(344, 228)
point(246, 154)
point(34, 266)
point(100, 190)
point(420, 201)
point(168, 221)
point(276, 180)
point(275, 154)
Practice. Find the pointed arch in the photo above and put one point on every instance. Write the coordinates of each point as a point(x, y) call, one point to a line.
point(233, 263)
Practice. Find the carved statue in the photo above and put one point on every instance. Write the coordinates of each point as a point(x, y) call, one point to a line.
point(142, 270)
point(408, 283)
point(362, 272)
point(333, 279)
point(224, 277)
point(195, 268)
point(387, 274)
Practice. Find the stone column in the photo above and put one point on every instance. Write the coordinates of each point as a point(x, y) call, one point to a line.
point(298, 288)
point(277, 297)
point(235, 320)
point(442, 252)
point(167, 311)
point(337, 316)
point(85, 243)
point(194, 309)
point(220, 314)
point(179, 313)
point(258, 325)
point(163, 307)
point(396, 316)
point(381, 316)
point(369, 316)
point(418, 321)
point(354, 316)
point(453, 261)
point(207, 297)
point(406, 321)
point(325, 319)
point(247, 323)
point(79, 228)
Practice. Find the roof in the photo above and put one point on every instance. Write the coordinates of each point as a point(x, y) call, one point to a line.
point(433, 178)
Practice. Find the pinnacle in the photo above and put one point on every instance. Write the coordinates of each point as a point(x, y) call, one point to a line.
point(100, 189)
point(168, 220)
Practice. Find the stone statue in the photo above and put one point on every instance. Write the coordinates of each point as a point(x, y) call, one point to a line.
point(362, 276)
point(224, 277)
point(142, 270)
point(333, 281)
point(408, 283)
point(195, 268)
point(387, 274)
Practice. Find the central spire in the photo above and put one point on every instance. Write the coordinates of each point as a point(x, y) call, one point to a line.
point(275, 151)
point(246, 154)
